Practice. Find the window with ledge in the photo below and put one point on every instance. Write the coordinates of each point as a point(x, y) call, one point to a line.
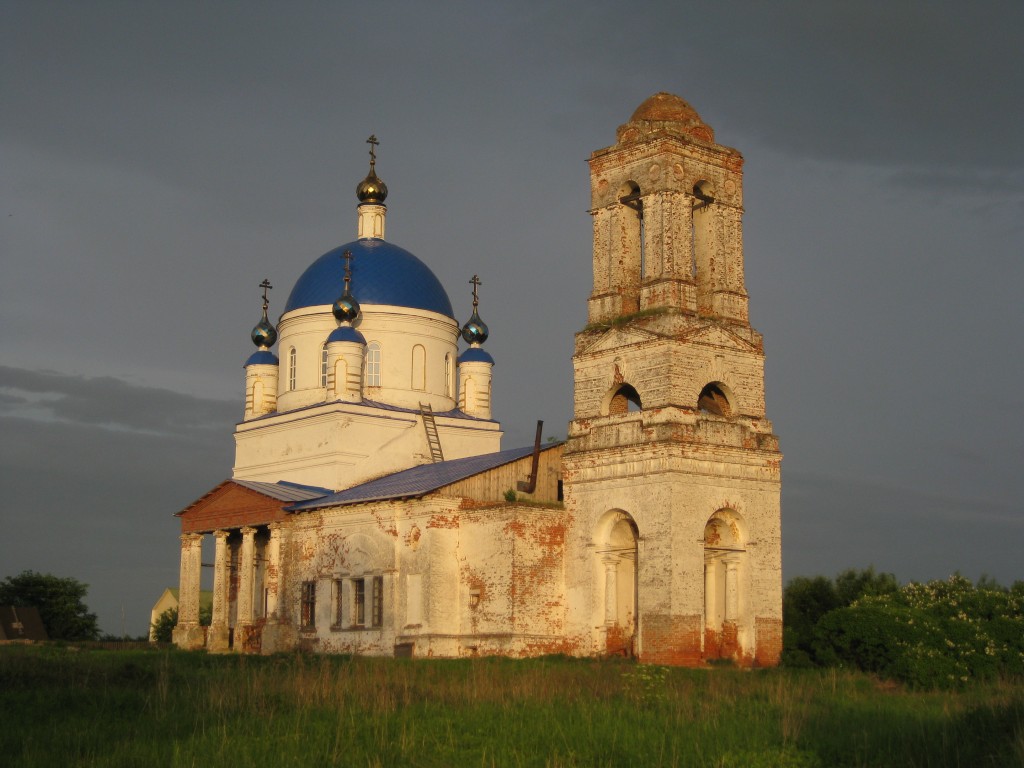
point(373, 364)
point(358, 602)
point(308, 605)
point(377, 603)
point(449, 377)
point(339, 614)
point(291, 369)
point(323, 366)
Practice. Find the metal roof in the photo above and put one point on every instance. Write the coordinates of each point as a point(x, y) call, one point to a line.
point(382, 273)
point(282, 490)
point(418, 480)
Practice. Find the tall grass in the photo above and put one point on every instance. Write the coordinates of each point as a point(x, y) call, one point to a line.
point(61, 707)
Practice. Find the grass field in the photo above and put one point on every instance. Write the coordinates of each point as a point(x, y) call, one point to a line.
point(68, 707)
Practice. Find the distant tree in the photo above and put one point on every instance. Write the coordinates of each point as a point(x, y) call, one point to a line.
point(59, 601)
point(165, 623)
point(806, 601)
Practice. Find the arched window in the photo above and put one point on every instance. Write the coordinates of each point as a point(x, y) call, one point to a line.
point(291, 369)
point(724, 564)
point(715, 400)
point(702, 239)
point(616, 551)
point(625, 399)
point(449, 376)
point(632, 229)
point(419, 368)
point(340, 376)
point(323, 366)
point(373, 364)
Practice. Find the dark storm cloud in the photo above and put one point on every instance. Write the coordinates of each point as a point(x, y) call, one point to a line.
point(110, 403)
point(92, 481)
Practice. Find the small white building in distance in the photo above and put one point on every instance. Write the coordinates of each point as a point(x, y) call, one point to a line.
point(372, 510)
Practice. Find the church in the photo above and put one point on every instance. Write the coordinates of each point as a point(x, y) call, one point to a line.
point(371, 508)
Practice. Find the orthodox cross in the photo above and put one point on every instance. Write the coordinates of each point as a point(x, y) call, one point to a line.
point(265, 285)
point(475, 282)
point(347, 256)
point(372, 141)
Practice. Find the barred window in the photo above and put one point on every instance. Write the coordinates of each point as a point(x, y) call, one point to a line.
point(358, 602)
point(323, 366)
point(308, 604)
point(377, 605)
point(291, 369)
point(339, 591)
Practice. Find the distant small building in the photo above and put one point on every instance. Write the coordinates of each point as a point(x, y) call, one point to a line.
point(169, 600)
point(21, 622)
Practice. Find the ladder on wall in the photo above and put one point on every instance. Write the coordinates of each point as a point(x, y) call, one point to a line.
point(430, 426)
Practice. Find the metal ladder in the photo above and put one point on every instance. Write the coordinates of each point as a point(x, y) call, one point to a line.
point(430, 426)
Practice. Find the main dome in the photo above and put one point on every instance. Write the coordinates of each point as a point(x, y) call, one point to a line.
point(382, 273)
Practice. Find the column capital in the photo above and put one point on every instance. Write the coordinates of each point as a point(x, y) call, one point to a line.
point(248, 530)
point(222, 534)
point(190, 538)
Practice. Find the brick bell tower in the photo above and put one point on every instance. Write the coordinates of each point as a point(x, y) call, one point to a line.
point(672, 475)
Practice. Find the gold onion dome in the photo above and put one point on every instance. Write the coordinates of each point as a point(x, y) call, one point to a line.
point(372, 189)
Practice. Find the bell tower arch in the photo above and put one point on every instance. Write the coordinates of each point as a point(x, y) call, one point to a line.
point(669, 411)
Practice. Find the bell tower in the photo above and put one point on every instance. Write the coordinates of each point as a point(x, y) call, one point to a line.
point(671, 467)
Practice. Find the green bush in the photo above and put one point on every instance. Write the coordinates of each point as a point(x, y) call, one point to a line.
point(939, 634)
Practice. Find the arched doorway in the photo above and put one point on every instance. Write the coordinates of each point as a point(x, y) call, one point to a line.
point(724, 568)
point(617, 559)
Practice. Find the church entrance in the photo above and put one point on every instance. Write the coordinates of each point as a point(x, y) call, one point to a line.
point(618, 559)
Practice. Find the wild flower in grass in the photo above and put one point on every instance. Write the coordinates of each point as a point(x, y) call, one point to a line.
point(647, 683)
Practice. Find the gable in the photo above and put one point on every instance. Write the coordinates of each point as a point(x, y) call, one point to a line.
point(230, 505)
point(714, 335)
point(616, 338)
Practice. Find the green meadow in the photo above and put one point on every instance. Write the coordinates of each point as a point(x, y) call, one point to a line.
point(64, 706)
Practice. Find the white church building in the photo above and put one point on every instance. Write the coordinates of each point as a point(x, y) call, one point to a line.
point(371, 508)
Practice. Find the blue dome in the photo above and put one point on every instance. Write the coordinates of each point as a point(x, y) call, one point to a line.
point(382, 273)
point(475, 355)
point(346, 333)
point(261, 357)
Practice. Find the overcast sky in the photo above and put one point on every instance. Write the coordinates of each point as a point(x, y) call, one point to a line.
point(160, 159)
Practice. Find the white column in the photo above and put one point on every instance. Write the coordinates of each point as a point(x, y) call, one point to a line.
point(709, 593)
point(188, 580)
point(247, 574)
point(272, 579)
point(611, 592)
point(218, 638)
point(731, 590)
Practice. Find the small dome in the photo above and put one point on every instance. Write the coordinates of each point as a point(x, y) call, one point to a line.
point(666, 111)
point(346, 333)
point(382, 273)
point(264, 334)
point(261, 357)
point(372, 189)
point(475, 331)
point(346, 308)
point(475, 355)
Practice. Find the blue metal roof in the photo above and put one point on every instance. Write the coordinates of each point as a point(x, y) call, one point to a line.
point(382, 273)
point(476, 355)
point(418, 480)
point(282, 490)
point(262, 357)
point(346, 333)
